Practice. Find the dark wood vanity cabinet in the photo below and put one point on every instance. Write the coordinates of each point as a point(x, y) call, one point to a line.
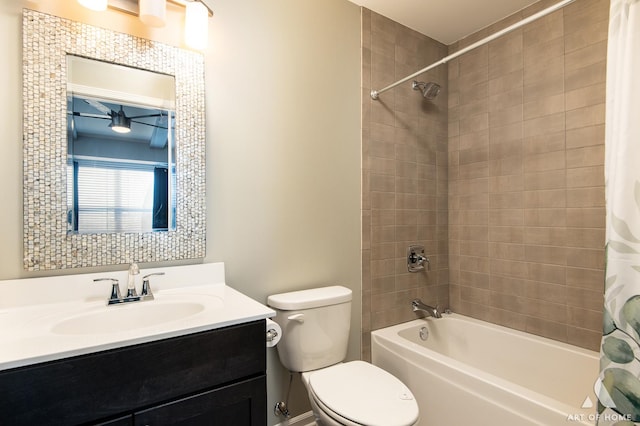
point(215, 378)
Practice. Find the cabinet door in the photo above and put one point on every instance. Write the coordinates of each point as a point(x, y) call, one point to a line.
point(240, 404)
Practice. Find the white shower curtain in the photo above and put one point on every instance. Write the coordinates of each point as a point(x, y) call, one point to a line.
point(619, 386)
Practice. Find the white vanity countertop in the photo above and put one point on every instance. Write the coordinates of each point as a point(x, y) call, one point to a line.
point(43, 326)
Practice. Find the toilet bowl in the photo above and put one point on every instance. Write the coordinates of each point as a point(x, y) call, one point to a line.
point(315, 330)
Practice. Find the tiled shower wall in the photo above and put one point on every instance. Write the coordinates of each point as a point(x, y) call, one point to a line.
point(526, 179)
point(404, 167)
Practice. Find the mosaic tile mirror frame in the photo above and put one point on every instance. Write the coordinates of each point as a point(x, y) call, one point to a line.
point(47, 244)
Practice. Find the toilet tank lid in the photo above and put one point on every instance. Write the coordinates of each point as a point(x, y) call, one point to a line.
point(312, 298)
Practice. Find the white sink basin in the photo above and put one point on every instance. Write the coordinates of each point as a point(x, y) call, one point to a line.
point(115, 319)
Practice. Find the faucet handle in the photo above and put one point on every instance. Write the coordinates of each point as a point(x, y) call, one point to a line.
point(146, 286)
point(115, 296)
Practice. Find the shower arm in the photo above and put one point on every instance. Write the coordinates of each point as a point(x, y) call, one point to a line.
point(376, 93)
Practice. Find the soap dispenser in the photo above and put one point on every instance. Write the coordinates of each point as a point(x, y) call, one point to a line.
point(134, 277)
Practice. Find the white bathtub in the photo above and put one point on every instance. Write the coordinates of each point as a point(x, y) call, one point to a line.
point(470, 372)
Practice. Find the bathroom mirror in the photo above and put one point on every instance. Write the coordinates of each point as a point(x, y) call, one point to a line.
point(57, 110)
point(120, 148)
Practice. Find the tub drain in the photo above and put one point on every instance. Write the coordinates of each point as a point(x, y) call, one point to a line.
point(424, 333)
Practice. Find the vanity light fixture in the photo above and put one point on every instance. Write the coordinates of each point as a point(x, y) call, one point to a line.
point(98, 5)
point(153, 13)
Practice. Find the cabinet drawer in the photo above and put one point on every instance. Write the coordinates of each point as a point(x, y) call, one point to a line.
point(240, 404)
point(105, 384)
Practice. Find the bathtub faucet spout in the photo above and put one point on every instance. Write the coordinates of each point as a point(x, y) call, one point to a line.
point(418, 306)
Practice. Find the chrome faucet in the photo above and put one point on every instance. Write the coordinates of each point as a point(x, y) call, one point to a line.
point(132, 296)
point(418, 306)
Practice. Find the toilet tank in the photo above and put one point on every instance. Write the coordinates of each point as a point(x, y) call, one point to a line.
point(315, 326)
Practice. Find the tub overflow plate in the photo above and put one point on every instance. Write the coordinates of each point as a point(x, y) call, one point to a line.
point(424, 333)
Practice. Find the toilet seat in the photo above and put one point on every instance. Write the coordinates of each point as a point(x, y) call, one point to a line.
point(359, 393)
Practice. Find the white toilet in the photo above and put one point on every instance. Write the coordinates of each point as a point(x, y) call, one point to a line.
point(315, 332)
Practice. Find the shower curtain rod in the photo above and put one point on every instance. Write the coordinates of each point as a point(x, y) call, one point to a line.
point(560, 5)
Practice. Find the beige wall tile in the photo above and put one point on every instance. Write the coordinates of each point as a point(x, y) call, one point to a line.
point(586, 76)
point(552, 198)
point(591, 279)
point(585, 177)
point(506, 82)
point(506, 217)
point(544, 30)
point(525, 170)
point(544, 106)
point(585, 96)
point(587, 116)
point(506, 46)
point(522, 142)
point(589, 55)
point(506, 183)
point(544, 87)
point(585, 237)
point(585, 136)
point(547, 328)
point(507, 251)
point(586, 217)
point(507, 166)
point(406, 158)
point(501, 147)
point(584, 14)
point(549, 179)
point(546, 273)
point(585, 258)
point(585, 197)
point(509, 98)
point(545, 217)
point(474, 155)
point(544, 70)
point(383, 200)
point(544, 162)
point(509, 115)
point(474, 123)
point(513, 132)
point(544, 236)
point(508, 268)
point(506, 200)
point(590, 339)
point(544, 143)
point(382, 234)
point(546, 254)
point(548, 124)
point(505, 65)
point(506, 234)
point(541, 52)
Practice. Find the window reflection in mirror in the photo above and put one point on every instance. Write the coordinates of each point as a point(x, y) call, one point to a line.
point(121, 150)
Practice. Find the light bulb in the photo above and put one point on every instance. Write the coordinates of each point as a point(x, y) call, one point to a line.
point(196, 26)
point(153, 12)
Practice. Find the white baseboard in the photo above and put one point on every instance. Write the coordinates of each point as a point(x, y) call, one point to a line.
point(304, 419)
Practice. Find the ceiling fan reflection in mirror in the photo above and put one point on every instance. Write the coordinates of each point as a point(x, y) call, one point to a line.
point(120, 116)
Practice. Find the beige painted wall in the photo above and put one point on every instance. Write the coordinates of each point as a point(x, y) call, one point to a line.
point(283, 147)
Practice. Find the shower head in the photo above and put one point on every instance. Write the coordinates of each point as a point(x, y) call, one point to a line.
point(429, 90)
